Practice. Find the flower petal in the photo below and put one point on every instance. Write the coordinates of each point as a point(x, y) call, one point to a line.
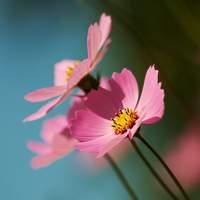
point(95, 145)
point(105, 24)
point(124, 89)
point(89, 126)
point(150, 82)
point(100, 55)
point(59, 71)
point(39, 148)
point(78, 103)
point(151, 100)
point(116, 139)
point(93, 41)
point(42, 111)
point(101, 103)
point(45, 93)
point(62, 145)
point(79, 72)
point(52, 127)
point(48, 107)
point(43, 161)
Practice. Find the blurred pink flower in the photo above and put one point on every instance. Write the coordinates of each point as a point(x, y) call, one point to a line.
point(57, 138)
point(100, 127)
point(184, 156)
point(68, 73)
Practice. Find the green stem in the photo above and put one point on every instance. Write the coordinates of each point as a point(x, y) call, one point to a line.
point(152, 170)
point(122, 178)
point(164, 165)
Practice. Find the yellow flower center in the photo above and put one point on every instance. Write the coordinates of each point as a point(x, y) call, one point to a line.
point(124, 120)
point(69, 70)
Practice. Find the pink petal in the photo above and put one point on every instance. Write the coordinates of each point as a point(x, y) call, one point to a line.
point(77, 104)
point(155, 109)
point(95, 145)
point(39, 148)
point(116, 139)
point(45, 93)
point(150, 82)
point(93, 41)
point(100, 55)
point(124, 89)
point(105, 24)
point(79, 72)
point(43, 161)
point(136, 126)
point(62, 145)
point(42, 111)
point(48, 107)
point(101, 103)
point(151, 100)
point(88, 126)
point(59, 71)
point(52, 127)
point(104, 83)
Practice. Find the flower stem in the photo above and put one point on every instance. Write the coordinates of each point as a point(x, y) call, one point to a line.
point(122, 178)
point(164, 165)
point(152, 170)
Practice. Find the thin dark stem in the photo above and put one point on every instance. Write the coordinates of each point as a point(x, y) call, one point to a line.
point(164, 165)
point(122, 178)
point(152, 170)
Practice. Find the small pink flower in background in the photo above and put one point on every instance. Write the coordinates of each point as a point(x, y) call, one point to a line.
point(57, 138)
point(184, 157)
point(68, 73)
point(112, 116)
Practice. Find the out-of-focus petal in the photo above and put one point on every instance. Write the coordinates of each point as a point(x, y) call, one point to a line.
point(42, 111)
point(101, 103)
point(105, 24)
point(39, 148)
point(88, 126)
point(79, 72)
point(104, 83)
point(124, 89)
point(52, 127)
point(43, 161)
point(62, 145)
point(45, 93)
point(93, 41)
point(100, 55)
point(59, 71)
point(48, 107)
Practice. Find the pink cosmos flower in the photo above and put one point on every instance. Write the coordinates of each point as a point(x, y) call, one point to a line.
point(68, 73)
point(58, 140)
point(112, 116)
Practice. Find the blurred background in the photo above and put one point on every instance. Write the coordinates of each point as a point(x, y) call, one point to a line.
point(36, 34)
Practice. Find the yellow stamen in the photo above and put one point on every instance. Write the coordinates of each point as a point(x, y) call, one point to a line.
point(124, 120)
point(69, 70)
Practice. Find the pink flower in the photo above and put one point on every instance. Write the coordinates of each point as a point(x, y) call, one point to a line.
point(68, 73)
point(58, 140)
point(112, 116)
